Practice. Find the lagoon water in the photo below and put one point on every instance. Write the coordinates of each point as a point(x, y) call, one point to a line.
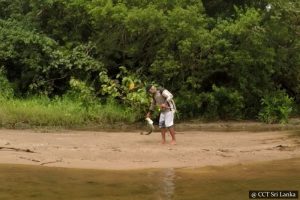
point(211, 183)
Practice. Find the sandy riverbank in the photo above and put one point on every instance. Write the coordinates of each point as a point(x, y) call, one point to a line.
point(130, 150)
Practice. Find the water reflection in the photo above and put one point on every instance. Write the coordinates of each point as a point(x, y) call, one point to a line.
point(228, 182)
point(168, 184)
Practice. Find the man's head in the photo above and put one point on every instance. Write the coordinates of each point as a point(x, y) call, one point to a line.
point(150, 89)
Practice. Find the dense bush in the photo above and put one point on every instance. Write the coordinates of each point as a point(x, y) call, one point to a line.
point(223, 103)
point(276, 107)
point(219, 58)
point(6, 91)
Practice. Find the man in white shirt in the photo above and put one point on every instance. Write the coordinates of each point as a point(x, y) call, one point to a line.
point(163, 99)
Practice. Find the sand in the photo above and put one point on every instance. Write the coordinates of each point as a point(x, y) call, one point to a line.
point(130, 150)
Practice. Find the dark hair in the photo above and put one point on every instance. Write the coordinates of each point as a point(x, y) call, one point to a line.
point(148, 87)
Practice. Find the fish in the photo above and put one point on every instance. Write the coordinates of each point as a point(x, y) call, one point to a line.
point(149, 125)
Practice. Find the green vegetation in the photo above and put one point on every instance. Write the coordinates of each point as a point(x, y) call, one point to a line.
point(92, 59)
point(65, 113)
point(276, 107)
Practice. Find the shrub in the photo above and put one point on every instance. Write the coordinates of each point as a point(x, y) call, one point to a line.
point(223, 103)
point(6, 90)
point(189, 104)
point(276, 107)
point(81, 92)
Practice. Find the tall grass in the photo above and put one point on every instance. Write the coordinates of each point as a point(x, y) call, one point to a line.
point(61, 112)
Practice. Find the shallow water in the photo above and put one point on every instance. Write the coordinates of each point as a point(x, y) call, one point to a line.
point(228, 182)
